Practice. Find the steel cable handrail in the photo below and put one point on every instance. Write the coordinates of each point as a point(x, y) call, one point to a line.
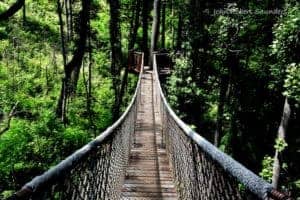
point(199, 154)
point(45, 186)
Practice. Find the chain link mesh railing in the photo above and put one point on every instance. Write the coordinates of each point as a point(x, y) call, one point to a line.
point(201, 170)
point(94, 172)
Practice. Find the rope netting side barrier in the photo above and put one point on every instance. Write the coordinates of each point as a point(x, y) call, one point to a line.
point(97, 170)
point(200, 169)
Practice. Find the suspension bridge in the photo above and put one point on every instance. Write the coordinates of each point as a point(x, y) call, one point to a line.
point(148, 153)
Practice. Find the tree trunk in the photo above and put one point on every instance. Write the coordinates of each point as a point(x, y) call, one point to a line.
point(132, 39)
point(232, 63)
point(8, 119)
point(61, 100)
point(116, 52)
point(172, 24)
point(71, 20)
point(155, 30)
point(62, 34)
point(67, 5)
point(222, 99)
point(76, 61)
point(74, 80)
point(179, 32)
point(12, 10)
point(282, 132)
point(89, 91)
point(145, 15)
point(88, 84)
point(135, 25)
point(198, 42)
point(163, 27)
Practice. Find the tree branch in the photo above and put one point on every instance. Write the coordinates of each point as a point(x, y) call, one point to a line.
point(9, 117)
point(12, 10)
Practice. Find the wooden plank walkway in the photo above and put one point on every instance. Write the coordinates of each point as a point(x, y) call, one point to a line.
point(148, 174)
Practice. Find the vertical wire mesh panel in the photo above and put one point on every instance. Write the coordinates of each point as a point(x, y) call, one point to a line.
point(197, 176)
point(94, 172)
point(98, 176)
point(201, 171)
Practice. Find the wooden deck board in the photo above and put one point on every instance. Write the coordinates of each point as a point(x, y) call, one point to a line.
point(148, 175)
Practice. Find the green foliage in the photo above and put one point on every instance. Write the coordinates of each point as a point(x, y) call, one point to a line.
point(100, 24)
point(181, 87)
point(6, 194)
point(285, 47)
point(285, 32)
point(211, 113)
point(73, 138)
point(267, 168)
point(297, 183)
point(31, 70)
point(292, 82)
point(225, 142)
point(104, 107)
point(242, 188)
point(280, 144)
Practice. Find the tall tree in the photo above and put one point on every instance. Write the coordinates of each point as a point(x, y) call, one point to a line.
point(135, 19)
point(69, 82)
point(221, 105)
point(179, 31)
point(116, 52)
point(163, 24)
point(8, 119)
point(145, 19)
point(155, 29)
point(198, 40)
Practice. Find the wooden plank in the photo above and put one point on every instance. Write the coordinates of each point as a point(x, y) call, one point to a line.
point(142, 181)
point(148, 198)
point(149, 188)
point(164, 186)
point(149, 194)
